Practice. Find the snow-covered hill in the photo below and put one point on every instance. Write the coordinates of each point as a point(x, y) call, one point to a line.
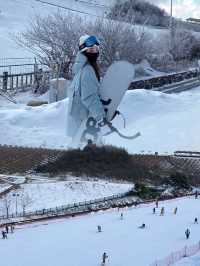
point(16, 14)
point(167, 122)
point(75, 242)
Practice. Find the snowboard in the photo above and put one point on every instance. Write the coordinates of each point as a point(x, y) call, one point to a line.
point(113, 87)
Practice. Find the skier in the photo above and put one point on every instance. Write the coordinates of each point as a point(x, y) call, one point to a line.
point(162, 212)
point(142, 226)
point(7, 229)
point(175, 210)
point(104, 258)
point(187, 233)
point(99, 228)
point(4, 234)
point(196, 220)
point(12, 228)
point(154, 210)
point(196, 194)
point(84, 100)
point(121, 216)
point(156, 203)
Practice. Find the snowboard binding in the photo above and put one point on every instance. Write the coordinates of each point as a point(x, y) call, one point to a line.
point(92, 130)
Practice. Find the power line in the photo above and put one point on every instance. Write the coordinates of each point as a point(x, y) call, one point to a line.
point(93, 4)
point(67, 8)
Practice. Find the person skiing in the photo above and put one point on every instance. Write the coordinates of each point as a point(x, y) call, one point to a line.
point(7, 229)
point(162, 212)
point(142, 226)
point(12, 228)
point(154, 210)
point(156, 203)
point(196, 194)
point(187, 233)
point(84, 100)
point(99, 228)
point(121, 216)
point(104, 258)
point(175, 210)
point(196, 220)
point(4, 234)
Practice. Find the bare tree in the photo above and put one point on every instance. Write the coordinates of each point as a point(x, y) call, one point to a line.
point(142, 11)
point(7, 202)
point(25, 200)
point(53, 39)
point(183, 43)
point(120, 41)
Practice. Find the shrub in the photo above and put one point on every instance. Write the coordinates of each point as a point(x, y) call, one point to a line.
point(141, 12)
point(179, 180)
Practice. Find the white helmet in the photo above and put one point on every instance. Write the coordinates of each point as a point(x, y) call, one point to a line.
point(87, 41)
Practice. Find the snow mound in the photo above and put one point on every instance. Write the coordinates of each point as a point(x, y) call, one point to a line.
point(167, 123)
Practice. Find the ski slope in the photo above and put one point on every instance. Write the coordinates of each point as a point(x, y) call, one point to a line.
point(75, 241)
point(167, 122)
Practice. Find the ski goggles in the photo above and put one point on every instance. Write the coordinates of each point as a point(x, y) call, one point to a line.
point(91, 41)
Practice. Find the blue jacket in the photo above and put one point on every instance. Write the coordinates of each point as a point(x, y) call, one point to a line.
point(84, 100)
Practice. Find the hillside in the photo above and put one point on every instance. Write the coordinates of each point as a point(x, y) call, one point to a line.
point(76, 242)
point(16, 14)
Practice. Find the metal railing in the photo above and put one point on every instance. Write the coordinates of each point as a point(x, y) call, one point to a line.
point(10, 82)
point(165, 82)
point(64, 209)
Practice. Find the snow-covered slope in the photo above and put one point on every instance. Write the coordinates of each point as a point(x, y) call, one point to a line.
point(167, 122)
point(75, 242)
point(16, 14)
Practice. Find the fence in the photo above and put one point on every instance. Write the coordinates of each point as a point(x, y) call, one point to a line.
point(156, 82)
point(19, 65)
point(20, 73)
point(178, 255)
point(66, 209)
point(10, 82)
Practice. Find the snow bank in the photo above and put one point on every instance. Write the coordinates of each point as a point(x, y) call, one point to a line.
point(167, 123)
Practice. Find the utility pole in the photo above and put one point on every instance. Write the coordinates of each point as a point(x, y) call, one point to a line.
point(171, 26)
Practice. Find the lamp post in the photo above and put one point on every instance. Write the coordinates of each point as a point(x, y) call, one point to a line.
point(16, 195)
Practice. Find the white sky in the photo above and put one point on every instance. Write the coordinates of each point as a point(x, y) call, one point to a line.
point(181, 8)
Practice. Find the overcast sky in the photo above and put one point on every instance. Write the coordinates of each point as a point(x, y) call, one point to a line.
point(181, 8)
